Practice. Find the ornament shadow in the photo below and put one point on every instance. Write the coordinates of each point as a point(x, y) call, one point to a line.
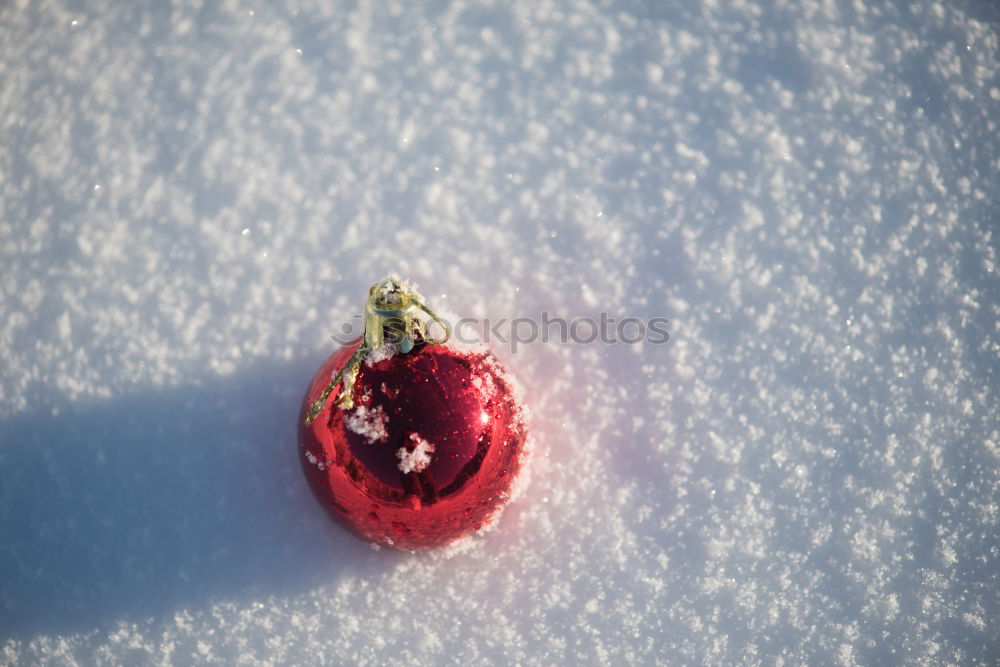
point(169, 500)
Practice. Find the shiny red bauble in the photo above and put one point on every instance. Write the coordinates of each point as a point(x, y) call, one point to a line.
point(428, 452)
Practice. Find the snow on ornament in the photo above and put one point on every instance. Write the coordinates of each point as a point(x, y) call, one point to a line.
point(424, 439)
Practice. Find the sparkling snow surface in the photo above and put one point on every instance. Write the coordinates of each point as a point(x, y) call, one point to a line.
point(194, 197)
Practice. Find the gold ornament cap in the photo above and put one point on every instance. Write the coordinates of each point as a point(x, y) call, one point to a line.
point(393, 316)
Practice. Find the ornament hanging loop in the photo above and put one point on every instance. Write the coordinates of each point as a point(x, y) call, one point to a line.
point(440, 322)
point(392, 311)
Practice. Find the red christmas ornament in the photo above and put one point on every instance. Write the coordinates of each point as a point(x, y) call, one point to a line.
point(424, 440)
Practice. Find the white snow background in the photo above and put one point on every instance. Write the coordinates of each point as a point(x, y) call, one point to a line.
point(194, 196)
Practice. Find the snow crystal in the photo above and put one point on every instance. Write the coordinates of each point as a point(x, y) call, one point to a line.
point(387, 350)
point(417, 459)
point(314, 460)
point(484, 385)
point(387, 289)
point(370, 423)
